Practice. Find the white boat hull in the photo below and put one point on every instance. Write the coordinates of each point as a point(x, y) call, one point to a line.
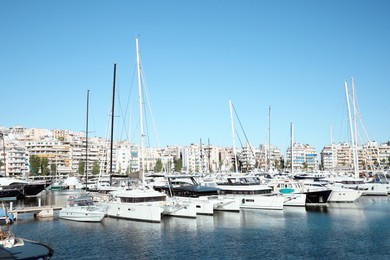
point(202, 204)
point(225, 203)
point(344, 195)
point(177, 208)
point(148, 212)
point(294, 199)
point(261, 202)
point(83, 214)
point(251, 202)
point(369, 189)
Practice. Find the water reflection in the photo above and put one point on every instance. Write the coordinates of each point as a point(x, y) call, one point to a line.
point(339, 230)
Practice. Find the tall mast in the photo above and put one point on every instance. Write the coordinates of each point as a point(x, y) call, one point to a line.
point(234, 136)
point(269, 139)
point(112, 121)
point(86, 144)
point(351, 128)
point(356, 158)
point(140, 113)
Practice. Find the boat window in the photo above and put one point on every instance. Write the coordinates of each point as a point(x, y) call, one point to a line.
point(142, 199)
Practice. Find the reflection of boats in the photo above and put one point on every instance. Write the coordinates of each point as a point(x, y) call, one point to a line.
point(82, 208)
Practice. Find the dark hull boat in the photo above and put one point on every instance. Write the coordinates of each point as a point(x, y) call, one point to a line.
point(9, 194)
point(314, 196)
point(33, 189)
point(24, 187)
point(187, 188)
point(317, 197)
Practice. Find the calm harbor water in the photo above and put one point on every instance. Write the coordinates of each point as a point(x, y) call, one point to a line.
point(359, 230)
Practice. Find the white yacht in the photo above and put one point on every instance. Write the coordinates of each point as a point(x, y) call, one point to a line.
point(143, 205)
point(179, 208)
point(314, 196)
point(146, 205)
point(247, 192)
point(82, 208)
point(338, 194)
point(186, 189)
point(367, 188)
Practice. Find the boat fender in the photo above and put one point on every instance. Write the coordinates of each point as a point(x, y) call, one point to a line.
point(243, 201)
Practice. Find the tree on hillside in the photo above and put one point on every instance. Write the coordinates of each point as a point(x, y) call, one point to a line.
point(44, 166)
point(178, 165)
point(81, 169)
point(53, 169)
point(282, 162)
point(35, 164)
point(158, 166)
point(304, 166)
point(95, 168)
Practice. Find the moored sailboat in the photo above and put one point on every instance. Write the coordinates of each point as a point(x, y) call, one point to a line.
point(140, 203)
point(81, 207)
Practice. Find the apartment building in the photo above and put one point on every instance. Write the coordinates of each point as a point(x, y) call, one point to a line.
point(303, 157)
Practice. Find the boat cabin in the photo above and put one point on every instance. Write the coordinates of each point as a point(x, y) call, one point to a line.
point(186, 186)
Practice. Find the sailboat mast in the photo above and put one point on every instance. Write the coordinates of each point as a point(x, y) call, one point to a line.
point(234, 136)
point(112, 122)
point(140, 112)
point(356, 158)
point(355, 169)
point(86, 143)
point(269, 139)
point(292, 147)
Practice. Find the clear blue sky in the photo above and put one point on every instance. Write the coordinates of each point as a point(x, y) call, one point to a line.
point(196, 55)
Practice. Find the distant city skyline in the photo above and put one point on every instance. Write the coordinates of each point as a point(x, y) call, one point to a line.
point(196, 56)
